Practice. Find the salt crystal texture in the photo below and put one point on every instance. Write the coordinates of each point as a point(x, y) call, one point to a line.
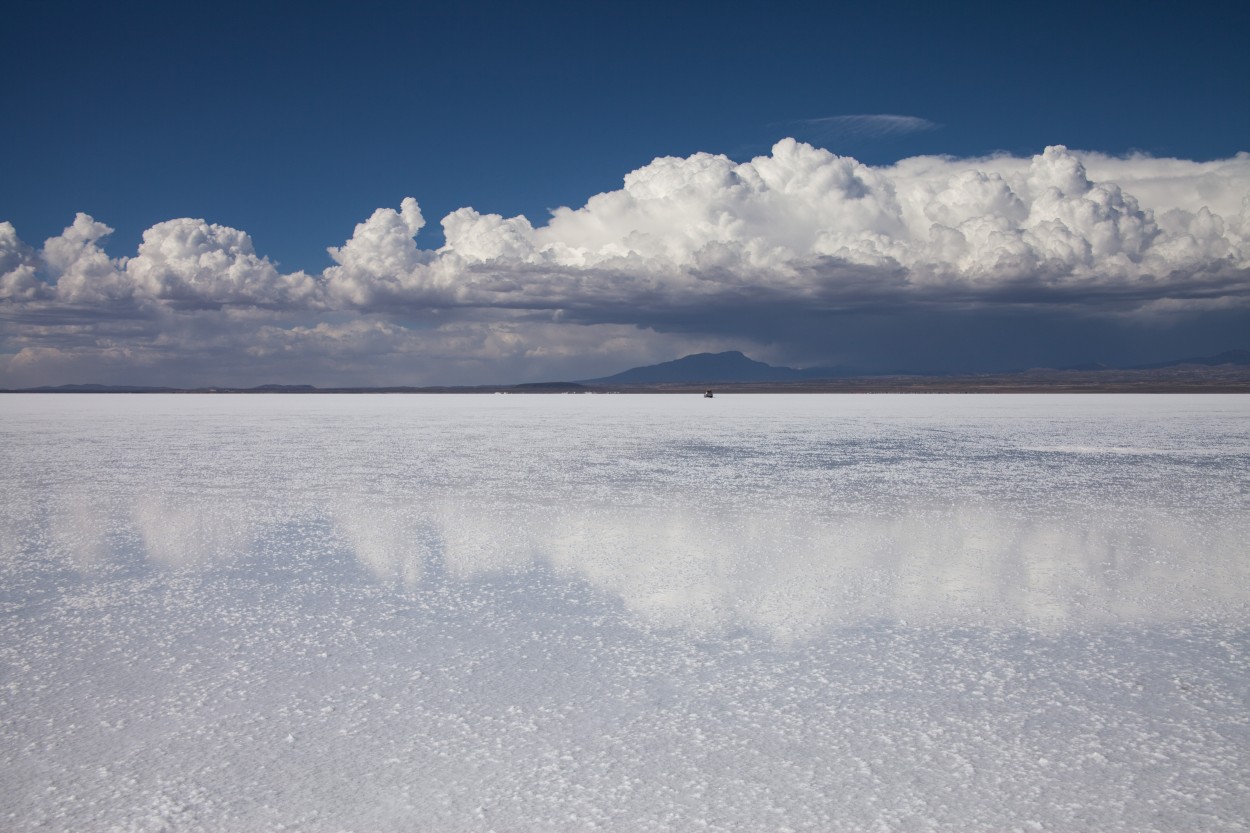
point(636, 613)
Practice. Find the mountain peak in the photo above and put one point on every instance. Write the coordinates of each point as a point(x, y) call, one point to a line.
point(729, 366)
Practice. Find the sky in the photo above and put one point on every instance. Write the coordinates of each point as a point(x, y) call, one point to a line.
point(473, 193)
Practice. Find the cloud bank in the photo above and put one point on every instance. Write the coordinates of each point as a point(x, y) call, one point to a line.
point(690, 253)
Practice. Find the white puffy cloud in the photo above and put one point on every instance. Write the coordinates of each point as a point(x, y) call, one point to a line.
point(478, 237)
point(17, 268)
point(191, 261)
point(182, 261)
point(802, 224)
point(82, 271)
point(380, 252)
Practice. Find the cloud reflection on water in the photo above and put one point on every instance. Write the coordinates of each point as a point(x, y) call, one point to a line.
point(792, 576)
point(391, 544)
point(788, 575)
point(193, 533)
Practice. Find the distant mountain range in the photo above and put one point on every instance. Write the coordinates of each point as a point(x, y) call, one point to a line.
point(93, 388)
point(733, 366)
point(1238, 357)
point(1221, 371)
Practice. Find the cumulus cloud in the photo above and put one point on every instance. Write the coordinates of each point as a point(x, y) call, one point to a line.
point(194, 262)
point(803, 225)
point(17, 268)
point(80, 268)
point(179, 262)
point(697, 245)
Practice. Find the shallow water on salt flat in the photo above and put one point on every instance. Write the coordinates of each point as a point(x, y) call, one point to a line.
point(624, 612)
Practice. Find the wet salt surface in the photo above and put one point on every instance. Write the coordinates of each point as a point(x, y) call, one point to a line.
point(624, 613)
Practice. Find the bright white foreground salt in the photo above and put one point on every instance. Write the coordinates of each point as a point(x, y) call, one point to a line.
point(524, 613)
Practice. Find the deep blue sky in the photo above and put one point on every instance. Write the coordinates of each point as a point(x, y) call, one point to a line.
point(295, 123)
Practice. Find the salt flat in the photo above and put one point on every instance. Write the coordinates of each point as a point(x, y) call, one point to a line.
point(635, 613)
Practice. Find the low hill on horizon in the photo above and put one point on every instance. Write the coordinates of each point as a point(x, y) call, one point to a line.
point(730, 366)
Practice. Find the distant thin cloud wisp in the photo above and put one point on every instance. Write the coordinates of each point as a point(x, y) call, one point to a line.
point(866, 126)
